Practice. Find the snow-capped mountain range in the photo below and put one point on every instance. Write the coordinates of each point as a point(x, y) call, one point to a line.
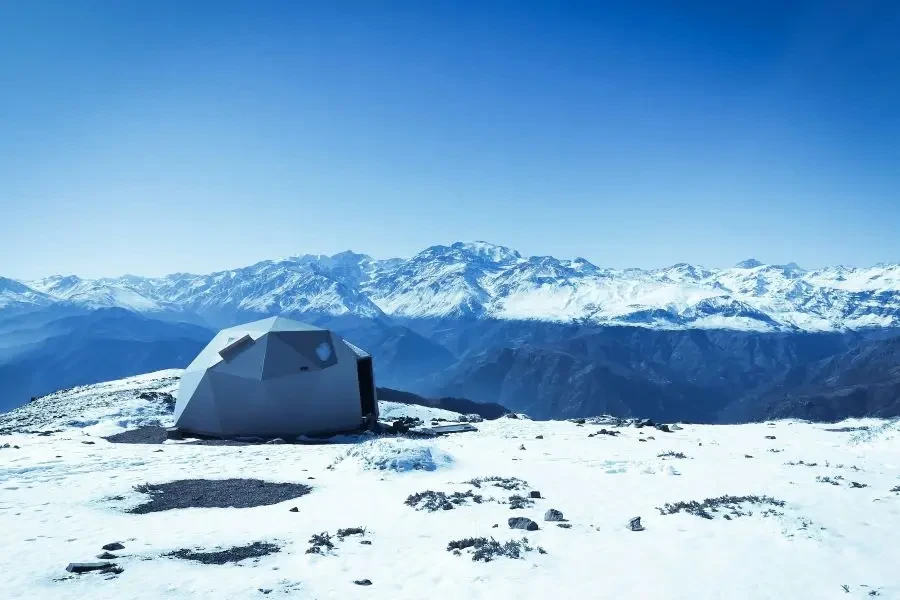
point(478, 280)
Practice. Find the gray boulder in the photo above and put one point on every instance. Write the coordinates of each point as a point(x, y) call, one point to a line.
point(522, 523)
point(554, 515)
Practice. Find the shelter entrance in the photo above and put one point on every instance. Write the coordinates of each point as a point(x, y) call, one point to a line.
point(366, 385)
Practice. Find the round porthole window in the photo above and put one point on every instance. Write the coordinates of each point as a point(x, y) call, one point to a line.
point(323, 351)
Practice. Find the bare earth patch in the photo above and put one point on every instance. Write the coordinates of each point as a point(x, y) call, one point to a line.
point(216, 493)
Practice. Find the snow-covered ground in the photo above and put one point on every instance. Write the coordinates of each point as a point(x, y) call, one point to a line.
point(63, 497)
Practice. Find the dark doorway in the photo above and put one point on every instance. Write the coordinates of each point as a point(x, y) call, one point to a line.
point(366, 386)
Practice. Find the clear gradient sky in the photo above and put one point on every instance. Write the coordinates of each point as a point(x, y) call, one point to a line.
point(151, 137)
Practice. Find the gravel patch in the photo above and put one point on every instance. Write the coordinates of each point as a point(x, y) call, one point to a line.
point(229, 555)
point(216, 493)
point(142, 435)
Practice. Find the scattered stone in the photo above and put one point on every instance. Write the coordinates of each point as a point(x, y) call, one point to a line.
point(88, 567)
point(88, 442)
point(896, 488)
point(229, 555)
point(642, 440)
point(264, 591)
point(578, 421)
point(534, 494)
point(216, 493)
point(470, 418)
point(554, 515)
point(664, 428)
point(365, 542)
point(675, 427)
point(114, 546)
point(495, 526)
point(537, 437)
point(856, 484)
point(294, 509)
point(847, 429)
point(522, 447)
point(276, 441)
point(605, 431)
point(564, 525)
point(634, 524)
point(748, 456)
point(522, 523)
point(107, 556)
point(770, 437)
point(362, 582)
point(511, 416)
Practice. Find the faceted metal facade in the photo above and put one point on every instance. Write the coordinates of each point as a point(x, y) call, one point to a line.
point(274, 377)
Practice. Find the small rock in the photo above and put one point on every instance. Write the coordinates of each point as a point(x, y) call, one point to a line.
point(635, 524)
point(88, 567)
point(554, 515)
point(748, 456)
point(538, 437)
point(564, 525)
point(114, 546)
point(447, 506)
point(294, 509)
point(511, 416)
point(770, 437)
point(107, 556)
point(5, 446)
point(522, 523)
point(675, 427)
point(88, 442)
point(578, 421)
point(534, 494)
point(495, 526)
point(365, 542)
point(362, 582)
point(663, 427)
point(522, 447)
point(276, 441)
point(265, 591)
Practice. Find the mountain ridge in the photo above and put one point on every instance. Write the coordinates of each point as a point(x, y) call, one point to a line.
point(479, 280)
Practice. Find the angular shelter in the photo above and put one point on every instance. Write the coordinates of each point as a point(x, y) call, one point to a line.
point(276, 377)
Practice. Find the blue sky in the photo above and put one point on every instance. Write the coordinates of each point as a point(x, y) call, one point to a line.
point(150, 137)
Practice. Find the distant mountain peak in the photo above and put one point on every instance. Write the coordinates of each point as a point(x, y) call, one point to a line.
point(487, 250)
point(750, 263)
